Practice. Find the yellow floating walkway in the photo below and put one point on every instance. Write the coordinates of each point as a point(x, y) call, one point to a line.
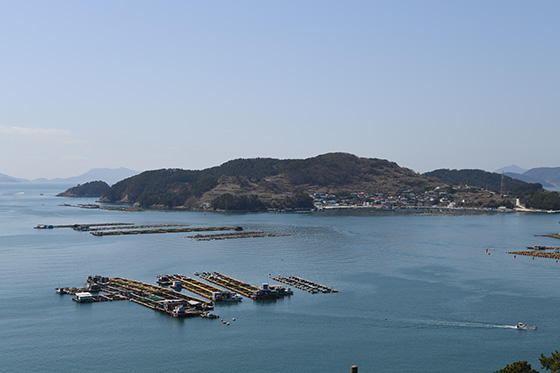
point(153, 290)
point(229, 283)
point(195, 286)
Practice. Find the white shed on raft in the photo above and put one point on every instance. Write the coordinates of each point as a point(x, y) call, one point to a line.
point(83, 297)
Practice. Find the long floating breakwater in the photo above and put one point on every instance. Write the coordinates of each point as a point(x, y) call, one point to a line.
point(303, 284)
point(161, 230)
point(117, 229)
point(78, 226)
point(87, 228)
point(228, 236)
point(93, 206)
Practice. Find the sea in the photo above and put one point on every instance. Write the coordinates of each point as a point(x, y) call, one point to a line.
point(417, 292)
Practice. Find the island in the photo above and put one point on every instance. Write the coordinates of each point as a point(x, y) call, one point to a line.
point(328, 181)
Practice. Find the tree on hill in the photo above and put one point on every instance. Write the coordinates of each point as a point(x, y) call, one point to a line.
point(551, 363)
point(299, 201)
point(542, 200)
point(230, 202)
point(518, 367)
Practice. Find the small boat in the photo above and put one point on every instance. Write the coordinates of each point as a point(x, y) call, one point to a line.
point(182, 311)
point(281, 290)
point(176, 285)
point(522, 326)
point(164, 280)
point(209, 315)
point(226, 296)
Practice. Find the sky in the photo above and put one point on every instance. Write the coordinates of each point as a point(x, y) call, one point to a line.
point(192, 84)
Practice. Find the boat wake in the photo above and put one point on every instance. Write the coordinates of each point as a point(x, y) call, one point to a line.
point(459, 324)
point(475, 325)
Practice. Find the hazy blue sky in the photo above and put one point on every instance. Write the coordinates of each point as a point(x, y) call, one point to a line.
point(192, 84)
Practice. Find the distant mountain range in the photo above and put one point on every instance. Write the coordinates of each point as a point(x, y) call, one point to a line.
point(549, 177)
point(9, 179)
point(108, 175)
point(513, 168)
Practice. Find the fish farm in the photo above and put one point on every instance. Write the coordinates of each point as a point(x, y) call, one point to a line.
point(167, 297)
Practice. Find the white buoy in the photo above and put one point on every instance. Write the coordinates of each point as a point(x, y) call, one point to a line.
point(233, 319)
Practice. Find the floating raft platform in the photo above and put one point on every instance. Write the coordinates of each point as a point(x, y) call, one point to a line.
point(73, 290)
point(539, 254)
point(229, 283)
point(543, 247)
point(101, 298)
point(143, 288)
point(303, 284)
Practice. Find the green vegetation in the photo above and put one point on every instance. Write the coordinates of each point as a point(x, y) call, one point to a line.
point(542, 200)
point(518, 367)
point(91, 189)
point(229, 202)
point(551, 363)
point(299, 201)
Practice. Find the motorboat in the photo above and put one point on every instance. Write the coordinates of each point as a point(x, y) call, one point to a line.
point(209, 315)
point(164, 280)
point(182, 311)
point(522, 326)
point(226, 296)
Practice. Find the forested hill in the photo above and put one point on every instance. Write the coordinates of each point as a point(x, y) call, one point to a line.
point(261, 183)
point(91, 189)
point(483, 179)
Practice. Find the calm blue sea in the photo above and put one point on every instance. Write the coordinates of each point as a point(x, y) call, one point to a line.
point(417, 293)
